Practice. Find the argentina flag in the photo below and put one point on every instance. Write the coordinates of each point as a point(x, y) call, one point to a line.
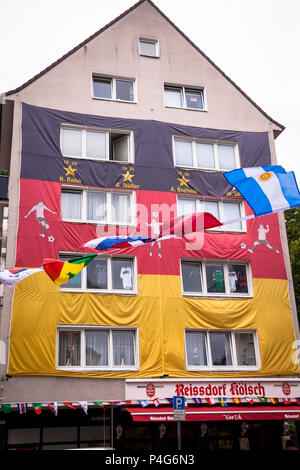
point(266, 189)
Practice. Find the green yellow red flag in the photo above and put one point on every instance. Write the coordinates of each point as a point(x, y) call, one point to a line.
point(63, 271)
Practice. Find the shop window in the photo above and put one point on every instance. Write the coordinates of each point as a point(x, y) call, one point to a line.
point(112, 88)
point(96, 144)
point(148, 47)
point(205, 155)
point(97, 348)
point(184, 97)
point(205, 278)
point(82, 205)
point(217, 349)
point(225, 210)
point(104, 275)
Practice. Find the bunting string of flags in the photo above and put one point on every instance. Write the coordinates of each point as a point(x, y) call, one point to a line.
point(38, 407)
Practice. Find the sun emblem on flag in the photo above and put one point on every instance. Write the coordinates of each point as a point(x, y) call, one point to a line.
point(266, 176)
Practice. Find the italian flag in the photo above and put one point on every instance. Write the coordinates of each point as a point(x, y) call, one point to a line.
point(61, 272)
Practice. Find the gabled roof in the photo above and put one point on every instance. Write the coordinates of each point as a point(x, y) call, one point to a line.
point(43, 72)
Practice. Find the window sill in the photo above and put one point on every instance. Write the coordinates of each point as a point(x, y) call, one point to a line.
point(150, 56)
point(101, 160)
point(186, 109)
point(208, 170)
point(222, 369)
point(99, 222)
point(101, 292)
point(114, 100)
point(97, 369)
point(214, 295)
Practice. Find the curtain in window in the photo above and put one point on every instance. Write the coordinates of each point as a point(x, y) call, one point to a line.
point(123, 348)
point(205, 155)
point(96, 206)
point(69, 348)
point(97, 274)
point(245, 349)
point(70, 205)
point(96, 348)
point(220, 349)
point(72, 142)
point(186, 206)
point(124, 90)
point(195, 348)
point(231, 212)
point(121, 208)
point(173, 97)
point(183, 153)
point(226, 157)
point(96, 145)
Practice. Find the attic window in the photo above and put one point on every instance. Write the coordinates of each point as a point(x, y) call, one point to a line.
point(148, 47)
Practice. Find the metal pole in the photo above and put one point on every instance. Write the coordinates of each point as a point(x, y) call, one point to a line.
point(179, 434)
point(112, 426)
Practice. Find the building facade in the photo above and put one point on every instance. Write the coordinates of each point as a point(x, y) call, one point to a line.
point(133, 126)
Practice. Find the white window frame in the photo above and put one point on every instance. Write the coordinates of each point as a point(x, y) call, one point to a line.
point(220, 201)
point(215, 368)
point(109, 290)
point(110, 367)
point(108, 220)
point(113, 80)
point(150, 41)
point(215, 144)
point(108, 133)
point(225, 264)
point(182, 89)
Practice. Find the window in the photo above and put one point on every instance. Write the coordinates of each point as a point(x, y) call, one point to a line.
point(104, 275)
point(109, 88)
point(205, 155)
point(148, 47)
point(83, 205)
point(215, 350)
point(208, 278)
point(184, 97)
point(97, 144)
point(224, 210)
point(97, 348)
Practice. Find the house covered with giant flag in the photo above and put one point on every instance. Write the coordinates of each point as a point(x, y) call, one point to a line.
point(115, 139)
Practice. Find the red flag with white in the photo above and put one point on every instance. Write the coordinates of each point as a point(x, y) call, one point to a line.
point(211, 401)
point(184, 225)
point(156, 401)
point(249, 400)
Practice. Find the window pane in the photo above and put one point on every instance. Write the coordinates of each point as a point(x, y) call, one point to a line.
point(102, 88)
point(194, 99)
point(245, 349)
point(123, 348)
point(71, 205)
point(124, 90)
point(121, 212)
point(238, 278)
point(148, 48)
point(72, 142)
point(205, 155)
point(97, 274)
point(191, 277)
point(74, 282)
point(183, 153)
point(122, 274)
point(173, 97)
point(226, 157)
point(213, 208)
point(196, 349)
point(220, 349)
point(215, 278)
point(96, 348)
point(96, 206)
point(186, 206)
point(120, 149)
point(69, 348)
point(96, 145)
point(231, 212)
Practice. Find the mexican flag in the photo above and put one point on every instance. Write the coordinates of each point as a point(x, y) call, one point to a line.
point(37, 408)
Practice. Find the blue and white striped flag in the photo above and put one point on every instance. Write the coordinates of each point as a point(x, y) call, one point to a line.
point(266, 189)
point(143, 403)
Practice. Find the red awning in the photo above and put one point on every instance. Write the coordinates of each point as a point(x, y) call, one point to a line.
point(211, 413)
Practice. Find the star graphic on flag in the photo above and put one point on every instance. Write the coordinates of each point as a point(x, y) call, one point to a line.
point(70, 170)
point(183, 181)
point(127, 177)
point(71, 275)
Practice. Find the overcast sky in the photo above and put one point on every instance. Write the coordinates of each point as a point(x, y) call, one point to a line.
point(256, 43)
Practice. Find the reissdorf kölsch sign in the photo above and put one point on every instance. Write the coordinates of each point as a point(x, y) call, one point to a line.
point(137, 388)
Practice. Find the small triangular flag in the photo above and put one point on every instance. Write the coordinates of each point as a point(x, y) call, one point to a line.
point(37, 408)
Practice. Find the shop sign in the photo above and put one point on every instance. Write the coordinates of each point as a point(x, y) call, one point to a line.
point(150, 390)
point(286, 389)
